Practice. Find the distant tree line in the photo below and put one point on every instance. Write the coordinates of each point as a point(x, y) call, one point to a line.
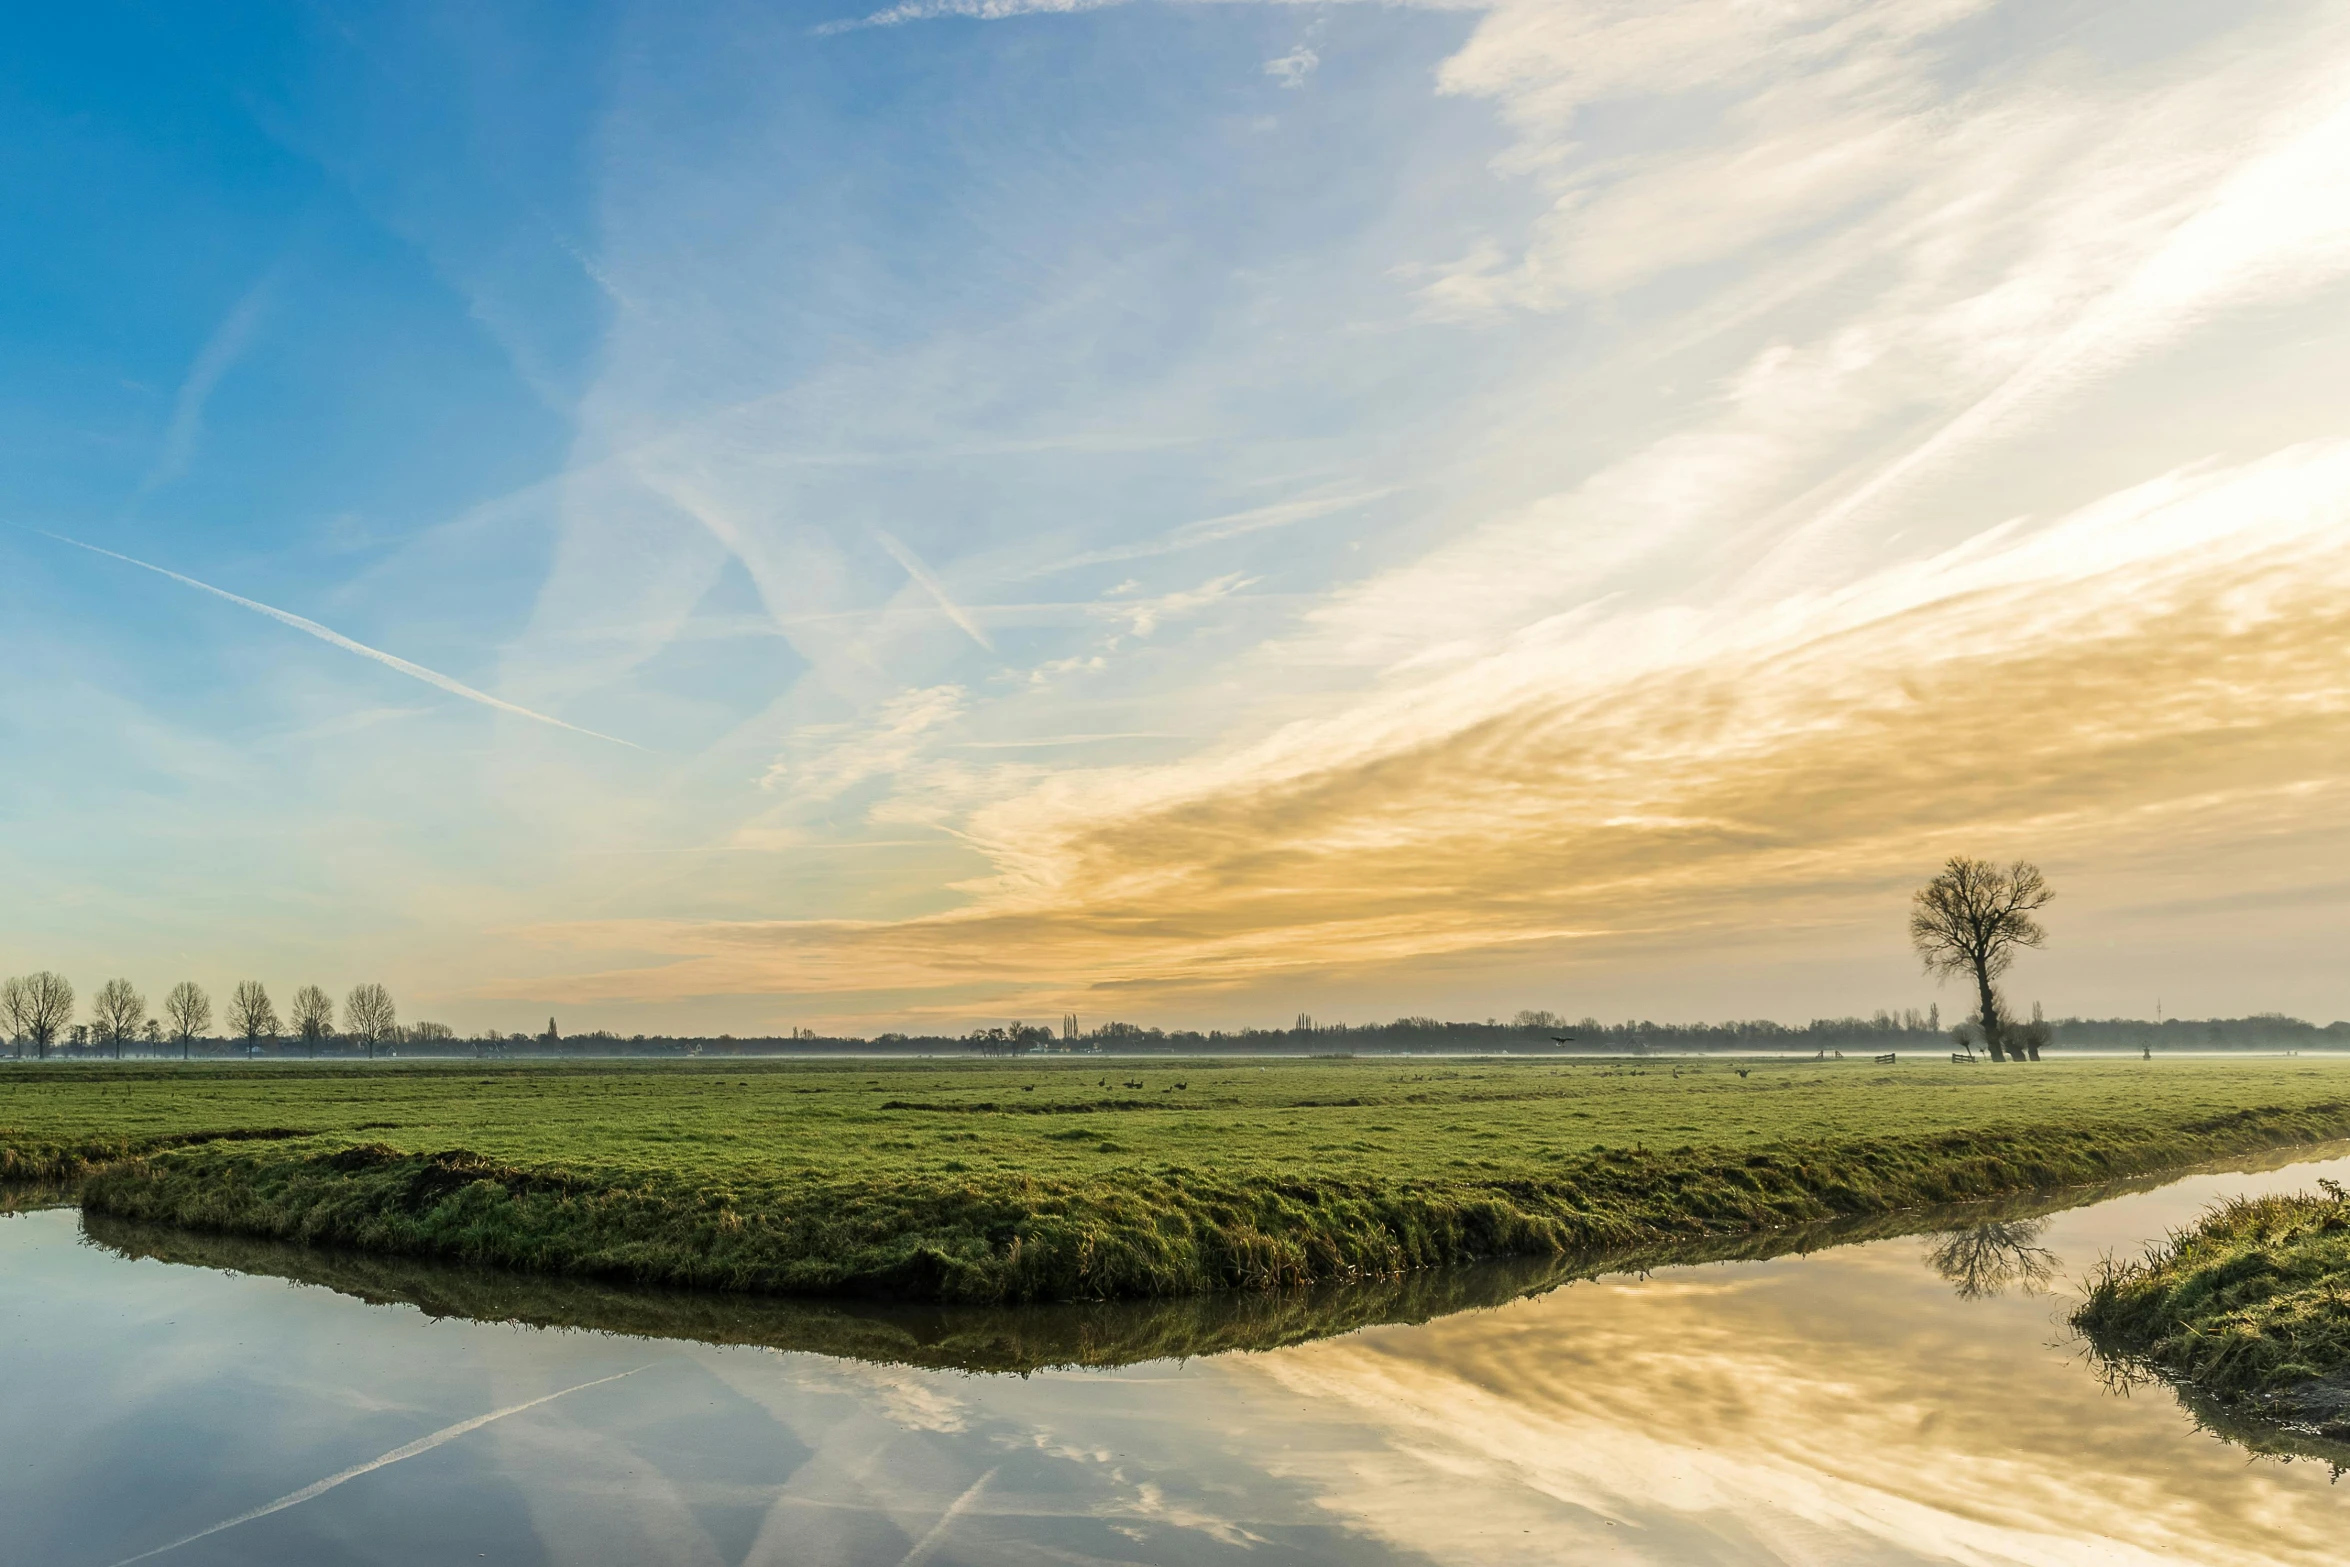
point(37, 1018)
point(1907, 1029)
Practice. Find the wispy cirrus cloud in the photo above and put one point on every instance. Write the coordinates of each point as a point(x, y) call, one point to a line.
point(1224, 527)
point(1143, 616)
point(1710, 672)
point(977, 10)
point(1623, 478)
point(2157, 664)
point(834, 757)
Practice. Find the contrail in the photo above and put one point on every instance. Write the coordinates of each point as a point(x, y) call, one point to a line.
point(392, 660)
point(423, 1444)
point(218, 356)
point(938, 1531)
point(1213, 530)
point(921, 573)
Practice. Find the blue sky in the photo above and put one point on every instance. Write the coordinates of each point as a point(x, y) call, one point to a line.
point(1185, 511)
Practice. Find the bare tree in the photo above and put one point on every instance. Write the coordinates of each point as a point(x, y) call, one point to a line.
point(251, 1014)
point(36, 1008)
point(368, 1016)
point(314, 1015)
point(16, 1012)
point(189, 1011)
point(1970, 920)
point(116, 1012)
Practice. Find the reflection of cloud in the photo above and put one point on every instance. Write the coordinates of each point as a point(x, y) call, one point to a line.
point(904, 1398)
point(861, 1469)
point(1815, 1411)
point(400, 1454)
point(936, 1536)
point(2168, 655)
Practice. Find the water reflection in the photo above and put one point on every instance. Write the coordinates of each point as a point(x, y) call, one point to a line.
point(32, 1196)
point(1986, 1258)
point(965, 1338)
point(1844, 1409)
point(1991, 1249)
point(1839, 1405)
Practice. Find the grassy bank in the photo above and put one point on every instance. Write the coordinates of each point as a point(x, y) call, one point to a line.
point(1030, 1336)
point(1087, 1179)
point(2250, 1306)
point(1019, 1338)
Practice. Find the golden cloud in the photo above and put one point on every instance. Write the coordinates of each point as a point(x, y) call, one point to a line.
point(2165, 671)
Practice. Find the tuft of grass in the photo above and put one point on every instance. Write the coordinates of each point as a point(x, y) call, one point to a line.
point(948, 1181)
point(2249, 1305)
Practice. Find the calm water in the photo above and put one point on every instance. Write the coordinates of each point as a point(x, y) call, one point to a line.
point(1850, 1405)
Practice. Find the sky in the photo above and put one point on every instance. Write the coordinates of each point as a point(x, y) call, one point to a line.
point(734, 517)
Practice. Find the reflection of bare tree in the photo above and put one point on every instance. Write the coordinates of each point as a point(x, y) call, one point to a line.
point(1984, 1259)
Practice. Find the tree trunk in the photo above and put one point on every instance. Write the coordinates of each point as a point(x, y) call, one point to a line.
point(1994, 1032)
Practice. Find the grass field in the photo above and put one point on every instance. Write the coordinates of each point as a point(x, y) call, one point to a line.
point(1100, 1178)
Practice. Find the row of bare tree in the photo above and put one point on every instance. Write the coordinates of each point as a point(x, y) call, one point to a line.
point(37, 1010)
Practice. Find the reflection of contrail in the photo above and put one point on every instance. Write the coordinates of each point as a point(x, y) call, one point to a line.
point(955, 1509)
point(285, 617)
point(931, 585)
point(423, 1444)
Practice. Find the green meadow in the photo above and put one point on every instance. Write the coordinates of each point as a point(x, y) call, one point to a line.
point(1092, 1178)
